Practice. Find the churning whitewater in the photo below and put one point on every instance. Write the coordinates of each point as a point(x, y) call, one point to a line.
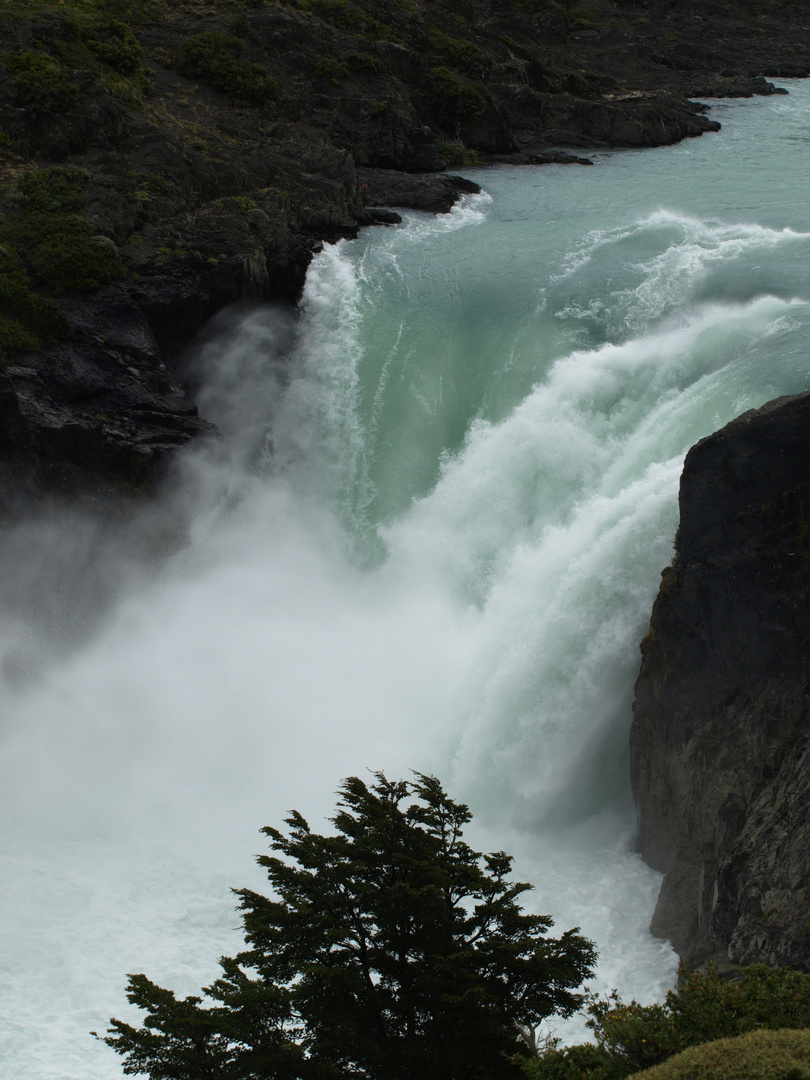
point(433, 543)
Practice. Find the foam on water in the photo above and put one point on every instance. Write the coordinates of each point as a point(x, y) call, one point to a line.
point(451, 490)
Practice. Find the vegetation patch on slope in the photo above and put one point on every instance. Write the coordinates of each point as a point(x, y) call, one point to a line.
point(758, 1055)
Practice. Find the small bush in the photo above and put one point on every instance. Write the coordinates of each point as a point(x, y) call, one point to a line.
point(42, 84)
point(331, 70)
point(457, 51)
point(705, 1008)
point(584, 1062)
point(115, 45)
point(216, 58)
point(455, 98)
point(364, 62)
point(72, 261)
point(245, 204)
point(348, 17)
point(27, 321)
point(52, 191)
point(52, 238)
point(455, 154)
point(238, 25)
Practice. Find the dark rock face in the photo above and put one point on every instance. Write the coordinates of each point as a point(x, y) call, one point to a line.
point(97, 412)
point(720, 756)
point(434, 193)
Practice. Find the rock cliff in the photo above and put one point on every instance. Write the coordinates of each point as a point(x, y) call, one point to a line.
point(719, 744)
point(161, 158)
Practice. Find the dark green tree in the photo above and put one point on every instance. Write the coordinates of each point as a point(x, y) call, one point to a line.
point(388, 951)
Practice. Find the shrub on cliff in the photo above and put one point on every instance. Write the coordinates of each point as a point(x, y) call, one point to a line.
point(349, 17)
point(217, 59)
point(115, 45)
point(758, 1055)
point(47, 249)
point(704, 1008)
point(391, 951)
point(28, 321)
point(52, 238)
point(454, 98)
point(42, 84)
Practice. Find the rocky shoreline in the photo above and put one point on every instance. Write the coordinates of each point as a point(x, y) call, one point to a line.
point(214, 147)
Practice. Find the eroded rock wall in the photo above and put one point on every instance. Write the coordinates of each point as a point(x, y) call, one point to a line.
point(719, 742)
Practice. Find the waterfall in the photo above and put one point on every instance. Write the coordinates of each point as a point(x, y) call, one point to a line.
point(432, 543)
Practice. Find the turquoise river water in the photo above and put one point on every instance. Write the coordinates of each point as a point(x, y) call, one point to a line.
point(451, 490)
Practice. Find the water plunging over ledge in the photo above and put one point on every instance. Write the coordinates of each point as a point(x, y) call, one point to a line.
point(453, 489)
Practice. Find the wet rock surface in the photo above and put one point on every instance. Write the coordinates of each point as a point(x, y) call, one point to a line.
point(720, 756)
point(436, 194)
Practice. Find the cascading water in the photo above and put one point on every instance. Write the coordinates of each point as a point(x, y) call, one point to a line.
point(452, 487)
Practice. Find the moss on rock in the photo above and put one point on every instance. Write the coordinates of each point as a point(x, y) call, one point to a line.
point(758, 1055)
point(217, 59)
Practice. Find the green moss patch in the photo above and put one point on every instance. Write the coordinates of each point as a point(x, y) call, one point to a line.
point(758, 1055)
point(455, 98)
point(42, 83)
point(348, 17)
point(456, 50)
point(28, 321)
point(48, 249)
point(114, 44)
point(217, 59)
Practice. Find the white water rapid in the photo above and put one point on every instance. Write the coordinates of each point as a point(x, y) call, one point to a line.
point(434, 545)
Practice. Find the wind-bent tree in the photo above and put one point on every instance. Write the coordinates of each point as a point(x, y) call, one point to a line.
point(389, 951)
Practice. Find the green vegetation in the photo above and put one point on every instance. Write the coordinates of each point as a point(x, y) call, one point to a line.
point(82, 40)
point(48, 249)
point(53, 239)
point(455, 98)
point(457, 51)
point(245, 204)
point(217, 59)
point(115, 45)
point(389, 951)
point(356, 63)
point(331, 70)
point(456, 154)
point(27, 321)
point(349, 17)
point(364, 62)
point(705, 1008)
point(759, 1055)
point(238, 25)
point(42, 84)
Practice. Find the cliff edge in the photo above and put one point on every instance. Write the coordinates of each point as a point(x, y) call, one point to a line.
point(719, 742)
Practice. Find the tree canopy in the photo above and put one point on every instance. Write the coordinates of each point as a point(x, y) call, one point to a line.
point(388, 951)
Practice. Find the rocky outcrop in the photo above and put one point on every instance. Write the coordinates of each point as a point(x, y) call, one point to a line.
point(99, 411)
point(720, 746)
point(436, 194)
